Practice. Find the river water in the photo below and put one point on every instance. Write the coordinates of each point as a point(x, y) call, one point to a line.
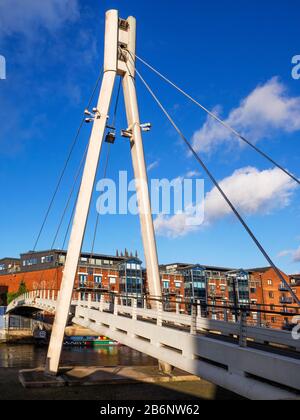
point(30, 356)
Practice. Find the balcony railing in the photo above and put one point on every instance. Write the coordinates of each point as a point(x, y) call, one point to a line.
point(286, 300)
point(283, 288)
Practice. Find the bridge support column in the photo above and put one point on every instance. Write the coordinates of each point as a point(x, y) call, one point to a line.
point(118, 35)
point(85, 194)
point(139, 165)
point(166, 368)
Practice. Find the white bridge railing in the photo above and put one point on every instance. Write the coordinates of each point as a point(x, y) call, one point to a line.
point(258, 363)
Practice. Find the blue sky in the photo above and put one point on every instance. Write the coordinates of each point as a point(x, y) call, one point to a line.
point(224, 53)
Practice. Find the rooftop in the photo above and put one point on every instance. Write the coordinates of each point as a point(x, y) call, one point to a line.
point(184, 266)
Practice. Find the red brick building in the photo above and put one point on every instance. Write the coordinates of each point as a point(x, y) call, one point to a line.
point(44, 270)
point(214, 287)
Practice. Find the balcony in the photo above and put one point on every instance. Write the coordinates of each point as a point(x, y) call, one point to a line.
point(286, 300)
point(283, 288)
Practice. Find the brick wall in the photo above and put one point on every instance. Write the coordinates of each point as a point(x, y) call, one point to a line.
point(48, 279)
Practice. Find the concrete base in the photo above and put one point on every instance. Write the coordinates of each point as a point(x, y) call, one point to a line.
point(89, 376)
point(165, 367)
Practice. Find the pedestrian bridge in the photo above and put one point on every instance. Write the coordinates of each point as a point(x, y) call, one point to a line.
point(255, 362)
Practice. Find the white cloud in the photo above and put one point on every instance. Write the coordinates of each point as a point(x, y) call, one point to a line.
point(192, 174)
point(153, 165)
point(266, 110)
point(173, 227)
point(295, 254)
point(250, 190)
point(22, 16)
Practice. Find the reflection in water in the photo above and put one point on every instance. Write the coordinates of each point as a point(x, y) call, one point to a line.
point(29, 356)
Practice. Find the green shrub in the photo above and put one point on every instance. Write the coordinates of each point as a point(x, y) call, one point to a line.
point(14, 295)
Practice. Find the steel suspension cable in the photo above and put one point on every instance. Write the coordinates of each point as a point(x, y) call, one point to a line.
point(219, 188)
point(65, 166)
point(218, 119)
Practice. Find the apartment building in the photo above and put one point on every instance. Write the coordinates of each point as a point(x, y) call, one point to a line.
point(9, 265)
point(96, 273)
point(217, 289)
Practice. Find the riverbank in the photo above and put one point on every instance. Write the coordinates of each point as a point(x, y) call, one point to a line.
point(11, 389)
point(14, 358)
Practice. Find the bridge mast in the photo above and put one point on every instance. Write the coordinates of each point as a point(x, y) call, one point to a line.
point(119, 34)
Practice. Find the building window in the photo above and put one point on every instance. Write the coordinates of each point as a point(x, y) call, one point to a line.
point(2, 267)
point(270, 283)
point(177, 285)
point(166, 284)
point(98, 279)
point(112, 280)
point(82, 279)
point(253, 290)
point(30, 262)
point(47, 259)
point(62, 259)
point(271, 295)
point(273, 320)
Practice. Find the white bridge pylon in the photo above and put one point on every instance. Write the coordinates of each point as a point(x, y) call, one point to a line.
point(120, 37)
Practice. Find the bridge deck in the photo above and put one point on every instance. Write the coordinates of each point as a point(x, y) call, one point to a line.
point(251, 361)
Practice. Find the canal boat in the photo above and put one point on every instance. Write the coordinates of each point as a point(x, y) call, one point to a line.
point(89, 341)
